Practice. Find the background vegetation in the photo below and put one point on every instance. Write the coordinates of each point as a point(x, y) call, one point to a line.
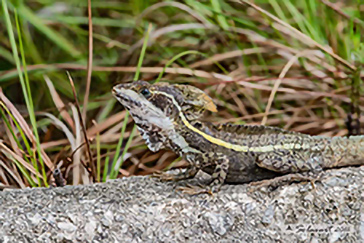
point(289, 63)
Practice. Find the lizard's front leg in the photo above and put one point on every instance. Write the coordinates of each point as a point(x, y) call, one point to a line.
point(194, 161)
point(220, 173)
point(217, 178)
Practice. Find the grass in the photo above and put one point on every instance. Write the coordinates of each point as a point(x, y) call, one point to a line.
point(24, 81)
point(293, 64)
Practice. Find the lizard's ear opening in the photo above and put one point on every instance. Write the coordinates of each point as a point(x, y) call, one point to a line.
point(195, 101)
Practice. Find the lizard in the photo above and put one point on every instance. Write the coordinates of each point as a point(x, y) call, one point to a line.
point(168, 116)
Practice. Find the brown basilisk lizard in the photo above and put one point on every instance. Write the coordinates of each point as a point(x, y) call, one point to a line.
point(167, 116)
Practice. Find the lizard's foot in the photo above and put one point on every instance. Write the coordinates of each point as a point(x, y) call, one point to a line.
point(195, 190)
point(282, 180)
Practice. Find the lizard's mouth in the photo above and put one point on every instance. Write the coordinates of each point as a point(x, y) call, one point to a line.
point(126, 97)
point(122, 98)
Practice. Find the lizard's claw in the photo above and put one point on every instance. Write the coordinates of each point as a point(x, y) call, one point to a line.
point(195, 190)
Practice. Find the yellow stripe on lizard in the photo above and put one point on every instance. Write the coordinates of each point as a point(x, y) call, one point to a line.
point(235, 147)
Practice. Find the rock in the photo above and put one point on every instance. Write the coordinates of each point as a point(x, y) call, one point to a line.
point(142, 209)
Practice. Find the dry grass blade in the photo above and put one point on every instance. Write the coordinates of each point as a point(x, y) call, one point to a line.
point(296, 92)
point(227, 55)
point(300, 34)
point(184, 71)
point(283, 50)
point(278, 82)
point(3, 177)
point(104, 138)
point(337, 9)
point(88, 149)
point(63, 127)
point(13, 143)
point(89, 61)
point(59, 103)
point(15, 177)
point(8, 151)
point(24, 126)
point(169, 29)
point(76, 153)
point(116, 118)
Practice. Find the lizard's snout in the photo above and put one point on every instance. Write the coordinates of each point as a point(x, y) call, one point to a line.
point(122, 92)
point(117, 89)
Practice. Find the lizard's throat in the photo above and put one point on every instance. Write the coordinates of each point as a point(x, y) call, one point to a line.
point(160, 137)
point(157, 138)
point(152, 122)
point(154, 130)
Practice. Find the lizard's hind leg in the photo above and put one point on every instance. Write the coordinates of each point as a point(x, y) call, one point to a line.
point(290, 161)
point(297, 167)
point(282, 180)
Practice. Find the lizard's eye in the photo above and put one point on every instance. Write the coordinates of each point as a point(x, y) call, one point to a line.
point(146, 93)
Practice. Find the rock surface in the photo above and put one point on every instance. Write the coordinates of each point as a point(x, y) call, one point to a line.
point(141, 209)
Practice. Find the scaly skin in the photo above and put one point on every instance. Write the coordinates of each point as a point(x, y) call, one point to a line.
point(167, 116)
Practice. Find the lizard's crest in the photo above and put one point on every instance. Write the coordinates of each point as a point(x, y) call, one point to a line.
point(195, 101)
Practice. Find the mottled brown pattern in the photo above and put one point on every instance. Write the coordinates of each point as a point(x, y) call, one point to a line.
point(167, 116)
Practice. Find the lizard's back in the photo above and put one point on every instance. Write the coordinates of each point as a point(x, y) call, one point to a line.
point(286, 152)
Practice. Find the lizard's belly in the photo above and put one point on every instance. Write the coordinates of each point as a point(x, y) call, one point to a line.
point(243, 169)
point(237, 176)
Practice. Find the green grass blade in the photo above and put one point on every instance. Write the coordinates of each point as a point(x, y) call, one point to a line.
point(6, 55)
point(31, 110)
point(98, 160)
point(142, 53)
point(183, 54)
point(220, 18)
point(118, 147)
point(19, 165)
point(24, 83)
point(106, 167)
point(25, 140)
point(38, 23)
point(127, 145)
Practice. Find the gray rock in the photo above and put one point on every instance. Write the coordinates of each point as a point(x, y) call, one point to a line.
point(141, 209)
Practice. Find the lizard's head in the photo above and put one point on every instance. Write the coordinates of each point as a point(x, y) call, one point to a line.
point(158, 107)
point(156, 103)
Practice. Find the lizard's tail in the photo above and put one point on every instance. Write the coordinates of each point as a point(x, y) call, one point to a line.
point(346, 151)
